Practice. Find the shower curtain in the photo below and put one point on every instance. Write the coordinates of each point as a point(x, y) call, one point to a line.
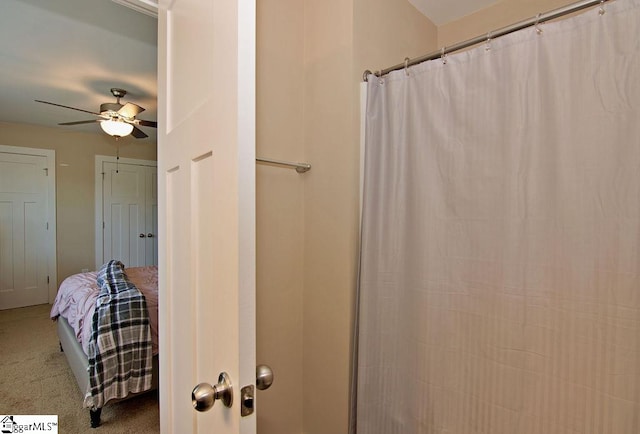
point(499, 284)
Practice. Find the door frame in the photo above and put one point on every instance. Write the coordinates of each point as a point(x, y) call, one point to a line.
point(50, 237)
point(99, 197)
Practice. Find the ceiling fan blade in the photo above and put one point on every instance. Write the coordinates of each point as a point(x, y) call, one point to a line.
point(130, 110)
point(66, 106)
point(79, 122)
point(146, 123)
point(138, 133)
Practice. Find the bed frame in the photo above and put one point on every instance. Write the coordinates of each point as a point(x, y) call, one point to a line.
point(79, 362)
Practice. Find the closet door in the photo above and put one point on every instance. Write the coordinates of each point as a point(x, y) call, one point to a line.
point(129, 214)
point(151, 216)
point(23, 225)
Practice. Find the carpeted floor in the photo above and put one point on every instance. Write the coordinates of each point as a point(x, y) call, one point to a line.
point(35, 379)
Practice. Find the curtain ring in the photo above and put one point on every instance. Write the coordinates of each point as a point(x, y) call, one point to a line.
point(406, 66)
point(601, 11)
point(443, 56)
point(488, 44)
point(380, 79)
point(537, 24)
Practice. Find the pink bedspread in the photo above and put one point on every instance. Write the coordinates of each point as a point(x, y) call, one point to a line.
point(76, 301)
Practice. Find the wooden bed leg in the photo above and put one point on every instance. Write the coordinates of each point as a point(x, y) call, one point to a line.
point(95, 417)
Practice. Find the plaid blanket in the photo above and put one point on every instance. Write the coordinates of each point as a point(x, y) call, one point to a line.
point(120, 347)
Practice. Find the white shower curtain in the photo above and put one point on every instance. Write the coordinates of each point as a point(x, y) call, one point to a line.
point(499, 282)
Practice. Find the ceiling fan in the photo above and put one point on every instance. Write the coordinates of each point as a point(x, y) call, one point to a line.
point(115, 119)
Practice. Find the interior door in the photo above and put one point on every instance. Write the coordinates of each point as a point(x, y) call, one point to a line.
point(128, 226)
point(23, 221)
point(206, 209)
point(124, 195)
point(151, 216)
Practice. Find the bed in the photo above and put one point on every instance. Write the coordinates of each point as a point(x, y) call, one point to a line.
point(73, 310)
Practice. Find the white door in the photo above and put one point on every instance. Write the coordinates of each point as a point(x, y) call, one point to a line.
point(124, 207)
point(129, 223)
point(206, 180)
point(23, 225)
point(151, 216)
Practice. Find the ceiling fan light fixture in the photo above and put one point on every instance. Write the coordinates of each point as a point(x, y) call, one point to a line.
point(116, 128)
point(117, 120)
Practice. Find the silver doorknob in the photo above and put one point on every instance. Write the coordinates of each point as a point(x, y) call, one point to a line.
point(264, 377)
point(204, 395)
point(150, 235)
point(141, 235)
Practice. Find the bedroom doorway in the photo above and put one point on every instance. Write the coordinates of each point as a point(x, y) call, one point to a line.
point(126, 211)
point(27, 227)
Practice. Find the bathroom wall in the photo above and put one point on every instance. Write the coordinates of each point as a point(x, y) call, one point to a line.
point(330, 210)
point(280, 212)
point(388, 31)
point(75, 183)
point(498, 15)
point(342, 39)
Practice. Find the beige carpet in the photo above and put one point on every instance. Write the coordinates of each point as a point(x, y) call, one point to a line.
point(35, 379)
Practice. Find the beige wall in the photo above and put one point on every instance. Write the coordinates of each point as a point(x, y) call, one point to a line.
point(310, 60)
point(280, 212)
point(387, 31)
point(75, 183)
point(329, 214)
point(498, 15)
point(311, 56)
point(342, 39)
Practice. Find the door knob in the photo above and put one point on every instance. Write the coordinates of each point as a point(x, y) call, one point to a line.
point(150, 235)
point(204, 395)
point(141, 235)
point(264, 377)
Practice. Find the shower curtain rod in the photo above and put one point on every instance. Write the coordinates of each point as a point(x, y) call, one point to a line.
point(540, 18)
point(300, 167)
